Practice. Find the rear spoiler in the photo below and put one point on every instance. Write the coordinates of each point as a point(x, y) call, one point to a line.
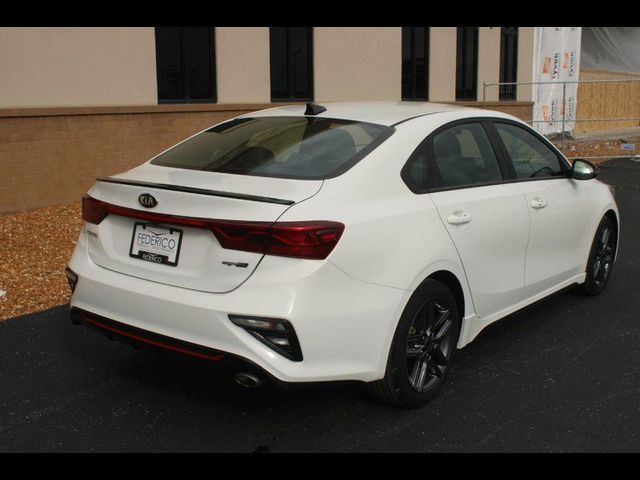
point(198, 191)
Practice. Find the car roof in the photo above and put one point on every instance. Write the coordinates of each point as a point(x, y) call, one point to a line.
point(382, 112)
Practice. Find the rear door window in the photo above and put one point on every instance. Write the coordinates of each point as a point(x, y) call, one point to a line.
point(464, 156)
point(285, 147)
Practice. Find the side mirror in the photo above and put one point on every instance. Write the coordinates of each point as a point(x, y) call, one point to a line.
point(583, 170)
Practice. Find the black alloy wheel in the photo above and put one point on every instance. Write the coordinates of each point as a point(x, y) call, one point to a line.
point(601, 257)
point(429, 344)
point(422, 349)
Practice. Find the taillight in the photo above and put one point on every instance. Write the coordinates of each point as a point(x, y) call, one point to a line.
point(312, 239)
point(93, 211)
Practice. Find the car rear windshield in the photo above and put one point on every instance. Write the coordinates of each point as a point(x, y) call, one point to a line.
point(284, 147)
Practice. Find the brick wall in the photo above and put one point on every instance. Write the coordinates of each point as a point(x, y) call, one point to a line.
point(51, 156)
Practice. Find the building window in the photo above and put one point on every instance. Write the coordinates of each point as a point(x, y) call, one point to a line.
point(185, 64)
point(291, 63)
point(508, 62)
point(467, 63)
point(415, 63)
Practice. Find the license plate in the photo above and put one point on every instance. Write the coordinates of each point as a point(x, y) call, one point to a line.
point(156, 244)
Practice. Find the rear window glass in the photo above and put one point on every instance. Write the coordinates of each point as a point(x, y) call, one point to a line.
point(285, 147)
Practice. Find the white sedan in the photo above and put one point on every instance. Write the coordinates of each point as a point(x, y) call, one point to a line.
point(352, 241)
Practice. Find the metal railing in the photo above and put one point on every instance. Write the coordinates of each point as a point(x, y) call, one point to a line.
point(617, 102)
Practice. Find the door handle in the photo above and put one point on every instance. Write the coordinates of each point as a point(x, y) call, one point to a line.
point(459, 218)
point(538, 203)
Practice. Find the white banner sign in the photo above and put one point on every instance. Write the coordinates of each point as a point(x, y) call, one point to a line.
point(557, 60)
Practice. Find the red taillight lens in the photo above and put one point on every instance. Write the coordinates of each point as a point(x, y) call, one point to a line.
point(312, 240)
point(93, 211)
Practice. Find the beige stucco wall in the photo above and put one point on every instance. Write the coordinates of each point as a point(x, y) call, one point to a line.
point(488, 61)
point(525, 62)
point(62, 66)
point(357, 63)
point(242, 64)
point(442, 64)
point(65, 66)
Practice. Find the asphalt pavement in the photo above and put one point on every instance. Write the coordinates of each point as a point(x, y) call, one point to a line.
point(562, 375)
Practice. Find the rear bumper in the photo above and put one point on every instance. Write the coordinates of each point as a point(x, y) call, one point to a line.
point(138, 336)
point(144, 339)
point(344, 325)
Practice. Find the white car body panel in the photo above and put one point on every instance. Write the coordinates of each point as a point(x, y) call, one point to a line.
point(498, 220)
point(345, 308)
point(202, 318)
point(200, 266)
point(553, 255)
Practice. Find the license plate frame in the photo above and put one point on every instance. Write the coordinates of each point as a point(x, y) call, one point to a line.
point(160, 256)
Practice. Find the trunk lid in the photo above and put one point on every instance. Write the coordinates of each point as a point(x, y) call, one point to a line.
point(188, 193)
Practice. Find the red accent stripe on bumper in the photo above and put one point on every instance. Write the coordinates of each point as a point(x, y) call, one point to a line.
point(214, 358)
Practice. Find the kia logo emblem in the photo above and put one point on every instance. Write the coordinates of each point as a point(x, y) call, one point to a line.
point(147, 200)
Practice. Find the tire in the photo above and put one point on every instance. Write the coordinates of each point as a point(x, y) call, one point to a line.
point(407, 383)
point(600, 261)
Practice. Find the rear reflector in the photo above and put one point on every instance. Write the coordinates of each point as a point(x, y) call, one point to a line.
point(72, 278)
point(310, 240)
point(277, 334)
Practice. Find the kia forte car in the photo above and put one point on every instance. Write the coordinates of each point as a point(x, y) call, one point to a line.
point(349, 241)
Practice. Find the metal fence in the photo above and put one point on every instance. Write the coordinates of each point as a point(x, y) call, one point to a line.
point(606, 120)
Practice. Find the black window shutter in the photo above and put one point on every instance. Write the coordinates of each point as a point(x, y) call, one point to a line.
point(185, 61)
point(508, 62)
point(415, 63)
point(291, 57)
point(467, 63)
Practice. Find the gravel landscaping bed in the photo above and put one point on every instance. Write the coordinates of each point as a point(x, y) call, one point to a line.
point(598, 151)
point(35, 247)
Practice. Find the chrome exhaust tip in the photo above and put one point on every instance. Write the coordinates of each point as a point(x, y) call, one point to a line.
point(247, 380)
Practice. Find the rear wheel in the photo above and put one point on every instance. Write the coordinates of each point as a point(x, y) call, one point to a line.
point(600, 263)
point(422, 349)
